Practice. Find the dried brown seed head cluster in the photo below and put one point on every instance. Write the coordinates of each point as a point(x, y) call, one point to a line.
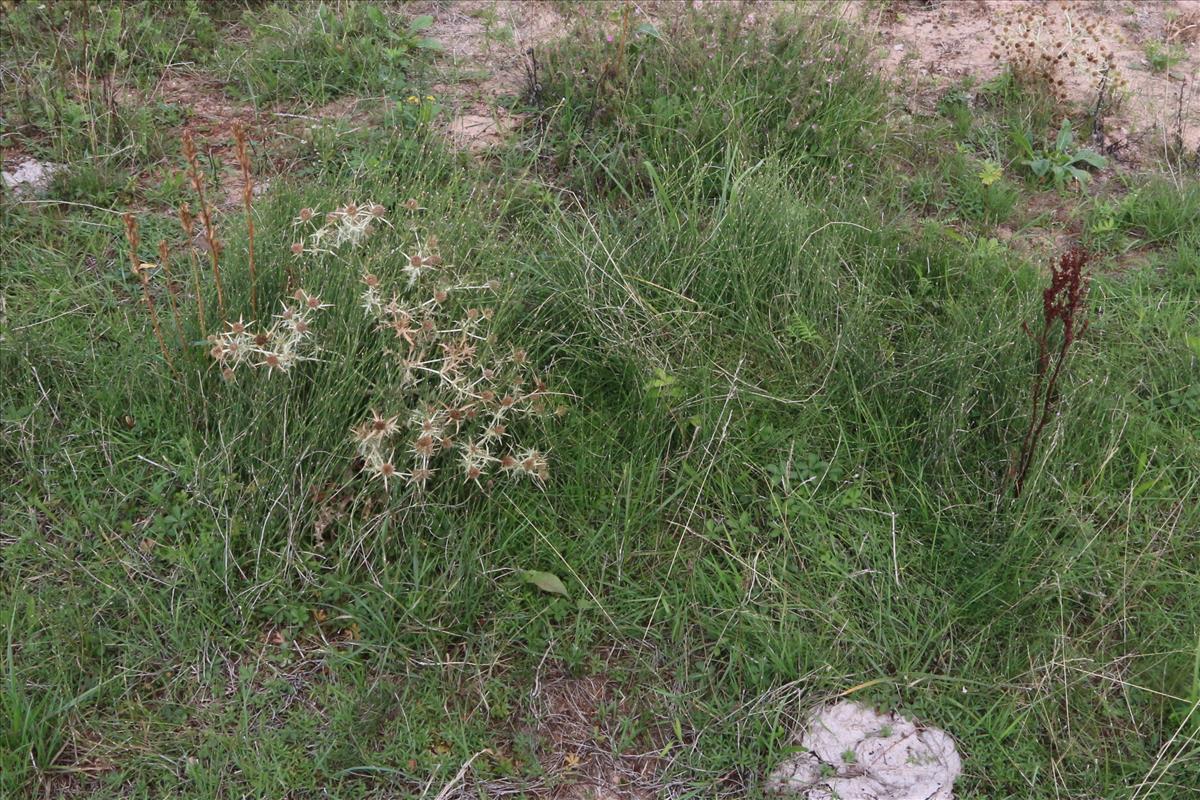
point(465, 390)
point(1045, 46)
point(277, 348)
point(349, 224)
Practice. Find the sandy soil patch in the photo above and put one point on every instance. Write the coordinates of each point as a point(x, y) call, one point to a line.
point(932, 45)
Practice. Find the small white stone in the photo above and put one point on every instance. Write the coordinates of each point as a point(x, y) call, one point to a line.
point(30, 176)
point(850, 751)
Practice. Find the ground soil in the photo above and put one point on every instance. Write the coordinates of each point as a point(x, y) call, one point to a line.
point(934, 45)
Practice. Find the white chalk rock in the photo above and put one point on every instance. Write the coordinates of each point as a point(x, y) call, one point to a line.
point(853, 753)
point(30, 176)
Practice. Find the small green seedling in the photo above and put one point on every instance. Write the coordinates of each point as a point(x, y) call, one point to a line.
point(1164, 57)
point(990, 172)
point(1064, 162)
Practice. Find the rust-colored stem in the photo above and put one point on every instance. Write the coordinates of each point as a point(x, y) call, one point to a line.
point(189, 228)
point(189, 152)
point(1063, 304)
point(625, 21)
point(239, 135)
point(131, 234)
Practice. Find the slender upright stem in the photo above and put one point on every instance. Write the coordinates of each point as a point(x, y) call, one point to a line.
point(239, 135)
point(1063, 302)
point(189, 152)
point(185, 219)
point(165, 262)
point(141, 271)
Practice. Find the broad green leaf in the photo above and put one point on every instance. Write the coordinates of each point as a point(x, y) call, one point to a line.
point(1144, 487)
point(376, 16)
point(546, 581)
point(1063, 143)
point(1091, 158)
point(421, 23)
point(1023, 141)
point(661, 380)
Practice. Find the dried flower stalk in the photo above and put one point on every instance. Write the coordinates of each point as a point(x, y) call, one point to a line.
point(1063, 304)
point(142, 272)
point(214, 246)
point(239, 136)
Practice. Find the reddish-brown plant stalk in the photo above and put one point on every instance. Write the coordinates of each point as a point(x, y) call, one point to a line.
point(189, 228)
point(131, 235)
point(1063, 305)
point(239, 136)
point(210, 238)
point(172, 289)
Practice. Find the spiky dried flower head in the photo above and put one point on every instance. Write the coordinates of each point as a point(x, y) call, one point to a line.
point(472, 387)
point(385, 468)
point(1045, 45)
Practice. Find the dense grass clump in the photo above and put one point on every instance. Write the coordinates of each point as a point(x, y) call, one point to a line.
point(315, 52)
point(790, 381)
point(679, 109)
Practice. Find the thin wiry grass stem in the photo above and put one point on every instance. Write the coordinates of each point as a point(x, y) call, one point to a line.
point(131, 235)
point(187, 222)
point(164, 260)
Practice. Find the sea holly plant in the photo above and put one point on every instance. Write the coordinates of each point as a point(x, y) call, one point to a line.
point(460, 395)
point(277, 347)
point(1064, 162)
point(288, 339)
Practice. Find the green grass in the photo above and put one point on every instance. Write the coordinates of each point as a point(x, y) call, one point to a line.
point(1164, 57)
point(316, 52)
point(793, 387)
point(74, 74)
